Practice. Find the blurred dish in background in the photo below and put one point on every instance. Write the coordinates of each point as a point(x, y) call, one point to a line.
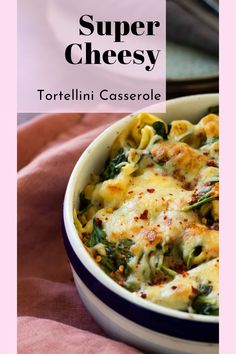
point(192, 47)
point(190, 71)
point(184, 62)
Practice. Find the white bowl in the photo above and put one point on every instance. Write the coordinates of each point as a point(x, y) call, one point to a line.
point(124, 316)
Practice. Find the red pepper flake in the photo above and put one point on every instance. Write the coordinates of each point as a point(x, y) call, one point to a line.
point(130, 192)
point(211, 163)
point(188, 186)
point(136, 218)
point(174, 287)
point(150, 165)
point(214, 227)
point(184, 274)
point(120, 282)
point(144, 215)
point(179, 268)
point(98, 222)
point(151, 190)
point(160, 282)
point(165, 217)
point(143, 295)
point(194, 291)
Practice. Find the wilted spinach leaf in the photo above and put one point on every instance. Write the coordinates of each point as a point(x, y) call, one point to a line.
point(112, 167)
point(84, 203)
point(97, 235)
point(214, 109)
point(160, 129)
point(205, 289)
point(202, 200)
point(117, 254)
point(205, 306)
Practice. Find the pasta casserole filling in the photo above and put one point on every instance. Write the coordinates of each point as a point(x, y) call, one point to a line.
point(150, 219)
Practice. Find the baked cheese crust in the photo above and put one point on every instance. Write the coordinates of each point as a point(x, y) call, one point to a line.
point(150, 219)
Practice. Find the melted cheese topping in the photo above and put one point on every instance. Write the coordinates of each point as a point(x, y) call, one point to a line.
point(163, 204)
point(151, 217)
point(179, 293)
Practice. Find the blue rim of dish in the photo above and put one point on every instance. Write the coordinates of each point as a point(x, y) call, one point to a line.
point(171, 326)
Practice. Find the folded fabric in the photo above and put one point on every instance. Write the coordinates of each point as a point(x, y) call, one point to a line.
point(192, 22)
point(57, 322)
point(39, 336)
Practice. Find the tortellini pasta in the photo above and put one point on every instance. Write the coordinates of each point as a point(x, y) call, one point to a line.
point(150, 219)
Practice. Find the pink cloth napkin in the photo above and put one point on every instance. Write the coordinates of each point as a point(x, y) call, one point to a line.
point(52, 318)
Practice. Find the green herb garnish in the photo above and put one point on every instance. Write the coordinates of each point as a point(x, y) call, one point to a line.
point(214, 109)
point(205, 306)
point(117, 255)
point(205, 289)
point(113, 167)
point(203, 200)
point(97, 235)
point(205, 195)
point(160, 129)
point(84, 204)
point(108, 264)
point(168, 271)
